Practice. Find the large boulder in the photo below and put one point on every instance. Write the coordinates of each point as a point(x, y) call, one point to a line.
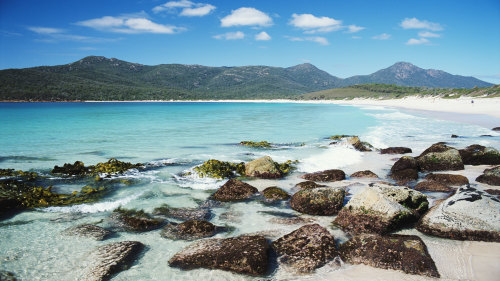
point(470, 214)
point(263, 167)
point(396, 150)
point(364, 174)
point(381, 208)
point(479, 155)
point(274, 193)
point(306, 248)
point(234, 190)
point(323, 201)
point(407, 253)
point(189, 230)
point(440, 157)
point(134, 220)
point(243, 254)
point(325, 176)
point(447, 179)
point(490, 176)
point(89, 231)
point(405, 170)
point(111, 259)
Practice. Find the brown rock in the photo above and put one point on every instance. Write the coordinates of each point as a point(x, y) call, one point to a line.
point(490, 176)
point(407, 253)
point(396, 150)
point(440, 157)
point(364, 174)
point(234, 190)
point(404, 163)
point(432, 186)
point(447, 179)
point(306, 248)
point(479, 155)
point(189, 230)
point(326, 176)
point(405, 176)
point(308, 185)
point(323, 201)
point(274, 193)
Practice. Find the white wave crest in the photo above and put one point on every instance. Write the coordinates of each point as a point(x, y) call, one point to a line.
point(334, 157)
point(393, 116)
point(195, 182)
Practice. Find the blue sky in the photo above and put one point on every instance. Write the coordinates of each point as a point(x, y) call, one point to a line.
point(342, 37)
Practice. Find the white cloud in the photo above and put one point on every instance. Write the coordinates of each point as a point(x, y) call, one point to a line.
point(419, 41)
point(45, 30)
point(428, 34)
point(356, 37)
point(129, 25)
point(246, 16)
point(318, 39)
point(313, 24)
point(354, 28)
point(202, 10)
point(414, 23)
point(231, 35)
point(189, 9)
point(383, 36)
point(263, 36)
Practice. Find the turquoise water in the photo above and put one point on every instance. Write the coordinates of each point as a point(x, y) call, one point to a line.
point(176, 137)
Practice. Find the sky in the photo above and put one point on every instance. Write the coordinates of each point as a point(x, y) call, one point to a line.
point(341, 37)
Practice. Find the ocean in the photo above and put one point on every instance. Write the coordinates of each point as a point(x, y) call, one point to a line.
point(174, 137)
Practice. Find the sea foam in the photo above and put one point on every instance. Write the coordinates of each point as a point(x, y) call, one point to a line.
point(334, 157)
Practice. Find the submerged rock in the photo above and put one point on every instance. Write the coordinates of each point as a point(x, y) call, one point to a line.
point(325, 176)
point(234, 190)
point(447, 179)
point(7, 276)
point(432, 186)
point(480, 155)
point(183, 213)
point(381, 208)
point(308, 185)
point(440, 157)
point(323, 201)
point(490, 176)
point(407, 253)
point(243, 254)
point(306, 248)
point(189, 230)
point(275, 193)
point(88, 230)
point(263, 167)
point(396, 150)
point(135, 221)
point(111, 259)
point(364, 174)
point(291, 220)
point(260, 144)
point(470, 214)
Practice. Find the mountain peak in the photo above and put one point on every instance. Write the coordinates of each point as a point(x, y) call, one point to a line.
point(303, 67)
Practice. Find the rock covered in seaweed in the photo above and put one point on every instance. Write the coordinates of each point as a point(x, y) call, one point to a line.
point(110, 259)
point(189, 230)
point(490, 176)
point(432, 186)
point(358, 144)
point(407, 253)
point(306, 248)
point(364, 174)
point(448, 179)
point(242, 254)
point(440, 157)
point(381, 208)
point(234, 190)
point(325, 176)
point(308, 185)
point(274, 193)
point(260, 144)
point(480, 155)
point(323, 201)
point(183, 213)
point(405, 170)
point(219, 169)
point(134, 220)
point(470, 214)
point(111, 167)
point(88, 230)
point(396, 150)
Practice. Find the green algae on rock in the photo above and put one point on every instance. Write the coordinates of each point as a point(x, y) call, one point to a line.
point(111, 167)
point(219, 169)
point(260, 144)
point(135, 220)
point(10, 173)
point(275, 193)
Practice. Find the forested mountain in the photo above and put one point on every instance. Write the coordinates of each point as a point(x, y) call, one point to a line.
point(100, 78)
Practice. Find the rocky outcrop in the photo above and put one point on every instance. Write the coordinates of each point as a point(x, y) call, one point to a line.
point(88, 230)
point(440, 157)
point(263, 167)
point(396, 150)
point(134, 220)
point(234, 190)
point(308, 185)
point(381, 208)
point(325, 176)
point(448, 179)
point(490, 176)
point(306, 248)
point(111, 167)
point(405, 170)
point(111, 259)
point(189, 230)
point(496, 129)
point(323, 201)
point(480, 155)
point(432, 186)
point(214, 168)
point(364, 174)
point(358, 144)
point(183, 213)
point(243, 254)
point(470, 214)
point(407, 253)
point(274, 193)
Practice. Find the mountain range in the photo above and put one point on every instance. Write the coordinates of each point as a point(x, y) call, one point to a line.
point(100, 78)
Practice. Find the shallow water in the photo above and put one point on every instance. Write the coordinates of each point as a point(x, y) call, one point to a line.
point(176, 137)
